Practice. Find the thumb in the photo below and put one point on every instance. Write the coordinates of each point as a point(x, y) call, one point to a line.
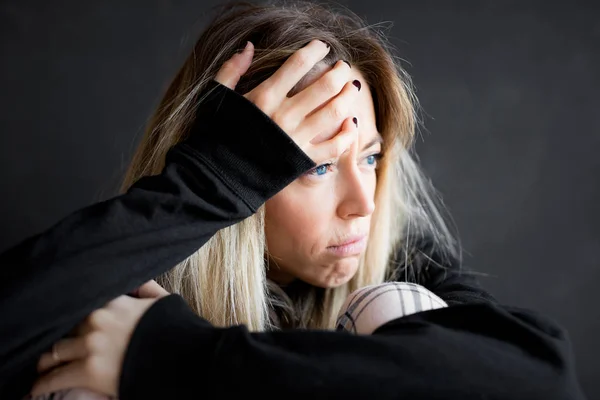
point(151, 289)
point(233, 69)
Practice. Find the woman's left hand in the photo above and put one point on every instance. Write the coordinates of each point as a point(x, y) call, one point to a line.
point(93, 357)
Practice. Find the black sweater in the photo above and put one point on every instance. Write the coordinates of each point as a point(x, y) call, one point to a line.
point(474, 349)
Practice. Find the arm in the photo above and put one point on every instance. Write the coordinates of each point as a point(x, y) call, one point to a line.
point(472, 351)
point(51, 281)
point(182, 352)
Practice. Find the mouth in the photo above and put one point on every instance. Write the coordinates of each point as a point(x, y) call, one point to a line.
point(350, 247)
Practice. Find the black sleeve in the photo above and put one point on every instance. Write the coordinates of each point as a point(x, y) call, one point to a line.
point(469, 351)
point(219, 175)
point(443, 275)
point(51, 281)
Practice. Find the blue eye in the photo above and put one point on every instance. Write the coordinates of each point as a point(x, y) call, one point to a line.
point(374, 158)
point(320, 170)
point(324, 168)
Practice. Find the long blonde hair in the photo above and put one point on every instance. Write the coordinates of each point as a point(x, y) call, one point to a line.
point(225, 280)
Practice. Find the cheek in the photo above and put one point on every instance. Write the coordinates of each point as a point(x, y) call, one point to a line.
point(294, 221)
point(371, 183)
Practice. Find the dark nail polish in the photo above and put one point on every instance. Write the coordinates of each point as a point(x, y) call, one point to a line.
point(356, 83)
point(355, 120)
point(347, 63)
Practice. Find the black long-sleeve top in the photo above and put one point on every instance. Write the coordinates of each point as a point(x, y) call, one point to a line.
point(474, 349)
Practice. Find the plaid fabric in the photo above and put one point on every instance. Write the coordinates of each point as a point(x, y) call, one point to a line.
point(372, 306)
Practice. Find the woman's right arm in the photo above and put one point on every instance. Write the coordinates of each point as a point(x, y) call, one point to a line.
point(217, 177)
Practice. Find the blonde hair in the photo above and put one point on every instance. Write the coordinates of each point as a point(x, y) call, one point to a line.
point(225, 280)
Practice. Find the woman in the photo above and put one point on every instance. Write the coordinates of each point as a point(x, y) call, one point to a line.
point(254, 175)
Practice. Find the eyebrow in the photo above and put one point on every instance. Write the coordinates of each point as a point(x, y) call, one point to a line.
point(378, 139)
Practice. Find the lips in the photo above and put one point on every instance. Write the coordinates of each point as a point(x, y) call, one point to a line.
point(349, 240)
point(350, 247)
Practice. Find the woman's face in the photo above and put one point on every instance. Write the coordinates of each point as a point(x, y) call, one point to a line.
point(308, 220)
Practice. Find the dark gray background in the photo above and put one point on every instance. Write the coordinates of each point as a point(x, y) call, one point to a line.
point(511, 110)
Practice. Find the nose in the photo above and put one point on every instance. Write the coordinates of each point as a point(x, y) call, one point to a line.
point(357, 192)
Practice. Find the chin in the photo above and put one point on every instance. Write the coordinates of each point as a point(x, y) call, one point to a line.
point(337, 282)
point(338, 276)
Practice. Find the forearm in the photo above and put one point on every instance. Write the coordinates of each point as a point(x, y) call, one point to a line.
point(468, 351)
point(49, 282)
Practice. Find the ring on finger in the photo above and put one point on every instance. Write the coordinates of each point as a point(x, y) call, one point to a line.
point(55, 355)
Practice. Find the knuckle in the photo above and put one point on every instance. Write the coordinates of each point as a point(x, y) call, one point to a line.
point(329, 84)
point(337, 111)
point(98, 318)
point(94, 341)
point(263, 99)
point(285, 121)
point(301, 59)
point(230, 63)
point(278, 117)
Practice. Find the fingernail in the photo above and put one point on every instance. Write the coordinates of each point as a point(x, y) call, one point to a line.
point(356, 83)
point(247, 46)
point(355, 120)
point(347, 63)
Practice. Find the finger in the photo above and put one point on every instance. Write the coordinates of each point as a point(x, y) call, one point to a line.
point(64, 377)
point(67, 350)
point(232, 70)
point(296, 67)
point(336, 146)
point(325, 117)
point(98, 320)
point(115, 304)
point(316, 95)
point(151, 289)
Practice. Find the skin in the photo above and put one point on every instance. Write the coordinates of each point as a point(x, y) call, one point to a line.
point(91, 357)
point(325, 205)
point(317, 210)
